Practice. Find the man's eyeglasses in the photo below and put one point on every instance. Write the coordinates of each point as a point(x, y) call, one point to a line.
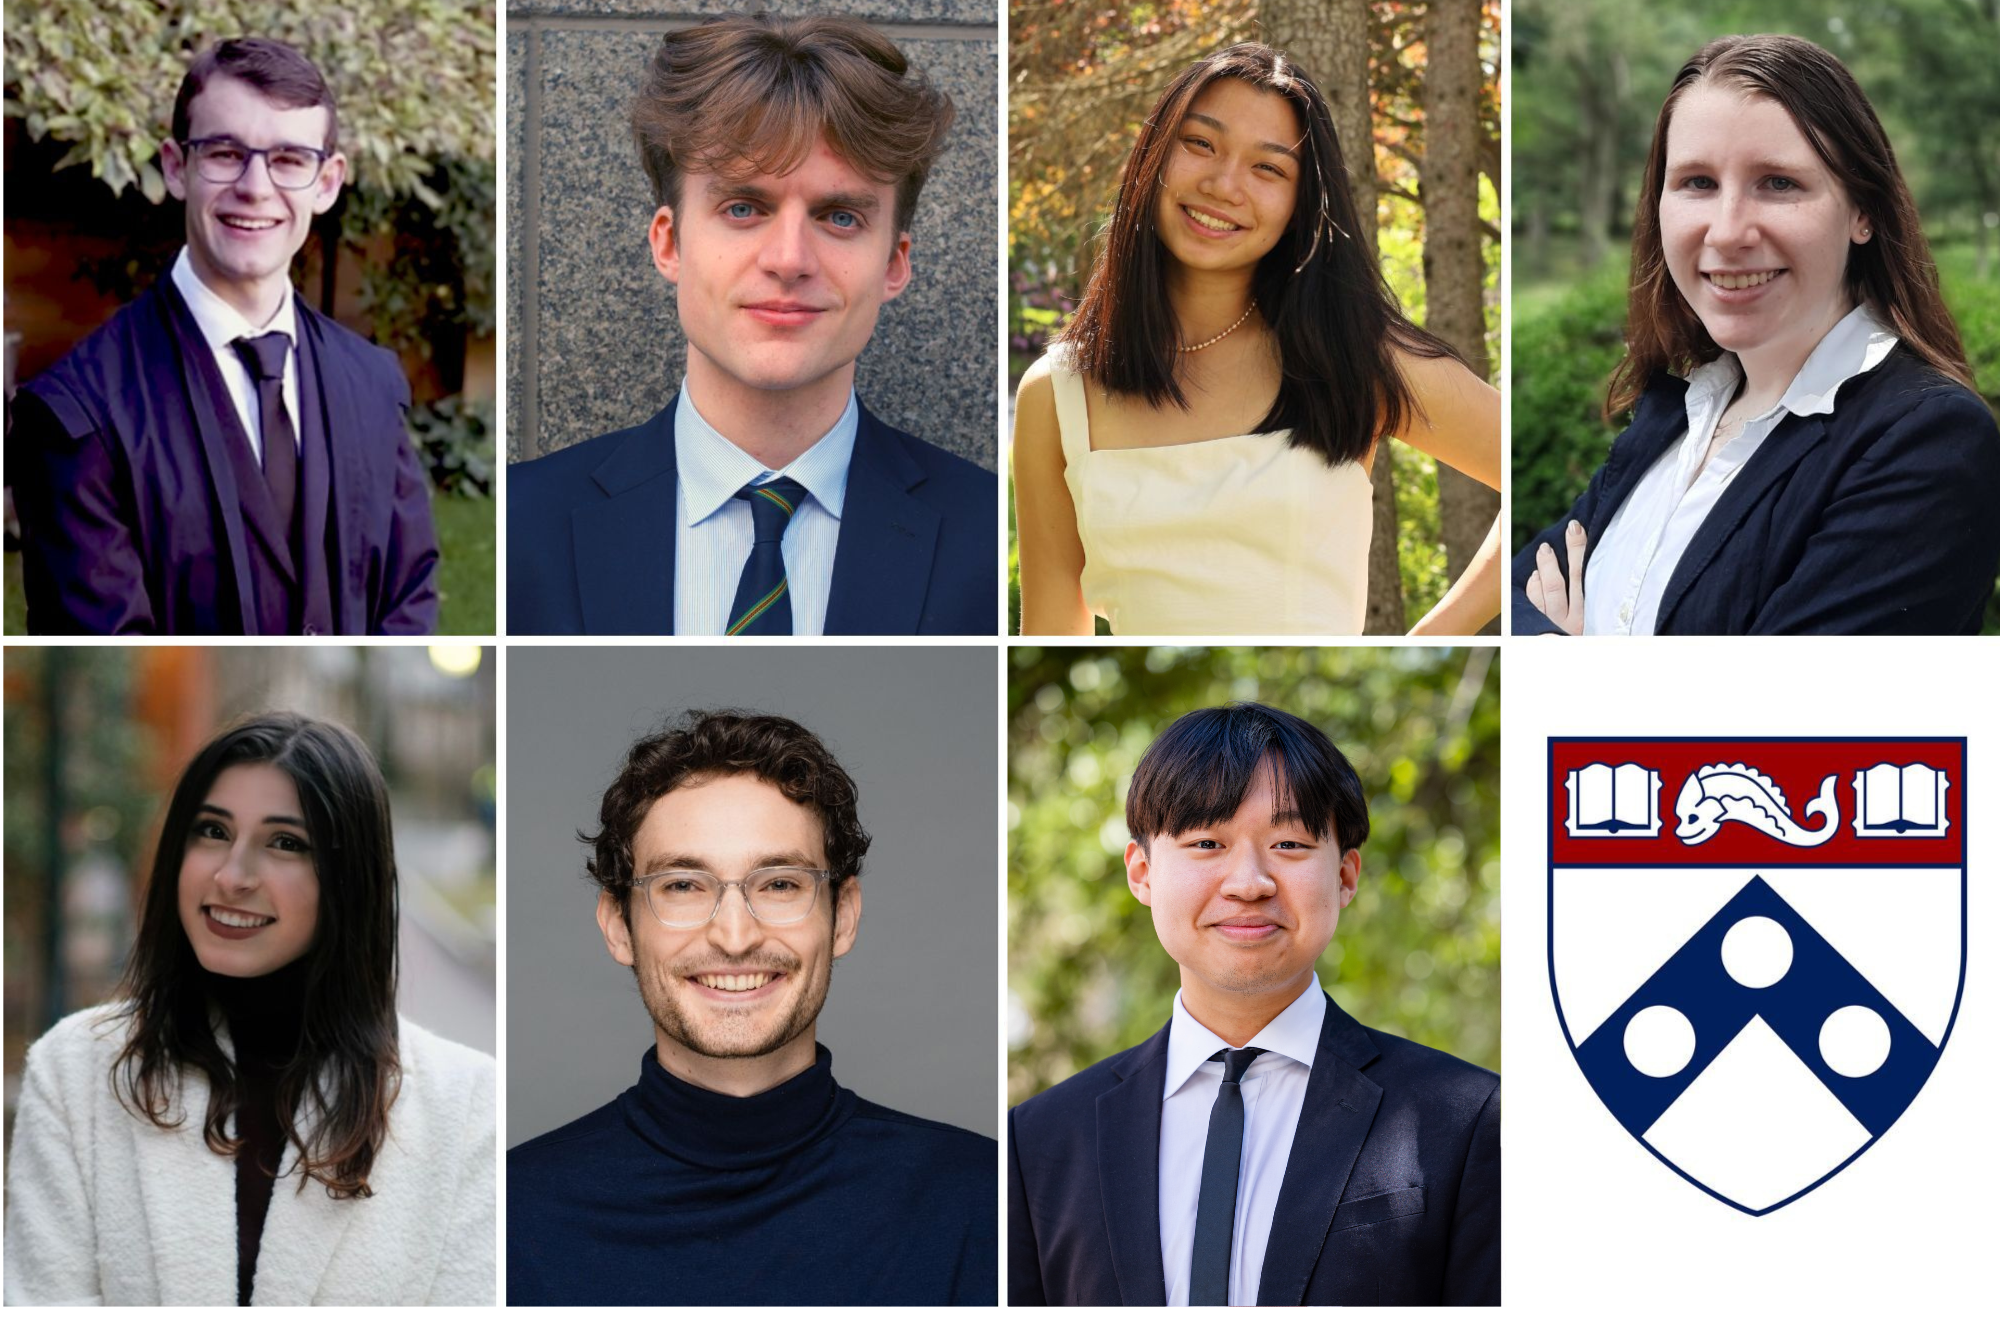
point(775, 895)
point(225, 161)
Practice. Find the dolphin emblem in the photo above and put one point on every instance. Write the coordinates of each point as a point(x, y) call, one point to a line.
point(1716, 794)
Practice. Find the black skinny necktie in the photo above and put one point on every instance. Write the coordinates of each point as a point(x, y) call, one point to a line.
point(265, 358)
point(763, 598)
point(1221, 1161)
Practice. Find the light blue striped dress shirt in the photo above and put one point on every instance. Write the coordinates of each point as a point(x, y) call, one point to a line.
point(714, 530)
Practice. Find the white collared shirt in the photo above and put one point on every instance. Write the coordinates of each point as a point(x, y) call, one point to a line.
point(222, 324)
point(714, 531)
point(1631, 563)
point(1274, 1093)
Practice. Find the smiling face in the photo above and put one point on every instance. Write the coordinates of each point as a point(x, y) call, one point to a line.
point(1756, 229)
point(736, 988)
point(1231, 178)
point(249, 889)
point(241, 237)
point(780, 278)
point(1247, 905)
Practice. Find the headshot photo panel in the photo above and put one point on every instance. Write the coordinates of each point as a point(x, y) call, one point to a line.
point(251, 915)
point(1253, 978)
point(753, 257)
point(251, 314)
point(1753, 375)
point(752, 972)
point(1251, 249)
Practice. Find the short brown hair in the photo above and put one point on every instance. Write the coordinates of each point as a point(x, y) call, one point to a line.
point(761, 91)
point(713, 744)
point(1892, 271)
point(274, 69)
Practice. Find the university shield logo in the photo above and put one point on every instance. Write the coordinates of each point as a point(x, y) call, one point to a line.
point(1757, 947)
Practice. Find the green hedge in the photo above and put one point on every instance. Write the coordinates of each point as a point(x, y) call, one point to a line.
point(1563, 357)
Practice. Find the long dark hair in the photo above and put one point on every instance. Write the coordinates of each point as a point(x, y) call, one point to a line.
point(1892, 270)
point(347, 1070)
point(1337, 324)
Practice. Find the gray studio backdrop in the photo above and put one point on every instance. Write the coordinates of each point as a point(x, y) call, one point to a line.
point(593, 344)
point(912, 1013)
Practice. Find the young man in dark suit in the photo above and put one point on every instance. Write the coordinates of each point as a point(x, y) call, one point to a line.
point(219, 457)
point(1263, 1148)
point(785, 157)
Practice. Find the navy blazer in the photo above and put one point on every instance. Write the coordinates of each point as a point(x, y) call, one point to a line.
point(1391, 1195)
point(131, 515)
point(132, 522)
point(590, 537)
point(1881, 517)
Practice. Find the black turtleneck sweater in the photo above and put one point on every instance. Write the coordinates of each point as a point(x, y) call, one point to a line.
point(265, 1016)
point(802, 1195)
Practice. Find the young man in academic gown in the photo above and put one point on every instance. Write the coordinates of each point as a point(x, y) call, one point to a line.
point(219, 457)
point(765, 499)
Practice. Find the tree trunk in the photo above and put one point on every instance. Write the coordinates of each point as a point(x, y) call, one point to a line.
point(1454, 268)
point(1330, 40)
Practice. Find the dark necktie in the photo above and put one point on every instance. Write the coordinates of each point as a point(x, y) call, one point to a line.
point(265, 357)
point(1221, 1160)
point(763, 603)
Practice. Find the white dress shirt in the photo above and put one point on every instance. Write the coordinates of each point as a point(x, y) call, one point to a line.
point(222, 324)
point(1632, 561)
point(1274, 1092)
point(714, 530)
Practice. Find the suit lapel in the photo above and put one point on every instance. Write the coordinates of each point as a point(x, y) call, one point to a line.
point(888, 539)
point(191, 349)
point(1340, 1107)
point(1128, 1171)
point(1773, 459)
point(624, 543)
point(333, 476)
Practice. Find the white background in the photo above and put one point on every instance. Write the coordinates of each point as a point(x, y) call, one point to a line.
point(1597, 1228)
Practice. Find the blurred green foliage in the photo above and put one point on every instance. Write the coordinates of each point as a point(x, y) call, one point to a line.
point(1418, 954)
point(414, 82)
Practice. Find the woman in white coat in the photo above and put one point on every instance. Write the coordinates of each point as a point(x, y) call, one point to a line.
point(253, 1123)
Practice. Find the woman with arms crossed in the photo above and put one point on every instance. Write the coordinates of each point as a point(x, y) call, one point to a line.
point(253, 1123)
point(1192, 456)
point(1808, 454)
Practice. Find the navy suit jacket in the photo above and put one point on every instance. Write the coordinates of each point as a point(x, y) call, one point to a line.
point(1391, 1195)
point(1876, 518)
point(590, 538)
point(131, 518)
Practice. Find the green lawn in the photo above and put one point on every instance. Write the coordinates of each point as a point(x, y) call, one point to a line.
point(466, 543)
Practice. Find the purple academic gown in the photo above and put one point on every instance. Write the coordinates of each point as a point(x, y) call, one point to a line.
point(143, 509)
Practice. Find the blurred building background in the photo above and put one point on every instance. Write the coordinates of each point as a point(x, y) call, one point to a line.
point(1418, 953)
point(96, 738)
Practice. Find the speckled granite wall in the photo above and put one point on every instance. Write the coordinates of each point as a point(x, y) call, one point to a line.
point(592, 340)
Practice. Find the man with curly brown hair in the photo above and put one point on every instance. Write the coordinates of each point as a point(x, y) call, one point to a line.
point(736, 1171)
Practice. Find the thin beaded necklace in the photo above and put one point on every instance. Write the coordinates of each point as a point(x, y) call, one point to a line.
point(1226, 332)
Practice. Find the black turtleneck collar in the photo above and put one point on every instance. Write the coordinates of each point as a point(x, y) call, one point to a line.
point(266, 1014)
point(715, 1130)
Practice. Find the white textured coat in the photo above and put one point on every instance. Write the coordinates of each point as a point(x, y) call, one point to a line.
point(106, 1208)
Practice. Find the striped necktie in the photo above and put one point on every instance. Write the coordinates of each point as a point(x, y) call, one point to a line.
point(763, 602)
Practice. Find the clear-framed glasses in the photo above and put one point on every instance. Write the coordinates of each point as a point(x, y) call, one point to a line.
point(223, 161)
point(775, 895)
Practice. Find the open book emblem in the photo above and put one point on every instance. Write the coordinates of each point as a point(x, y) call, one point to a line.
point(1757, 998)
point(1613, 801)
point(1900, 802)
